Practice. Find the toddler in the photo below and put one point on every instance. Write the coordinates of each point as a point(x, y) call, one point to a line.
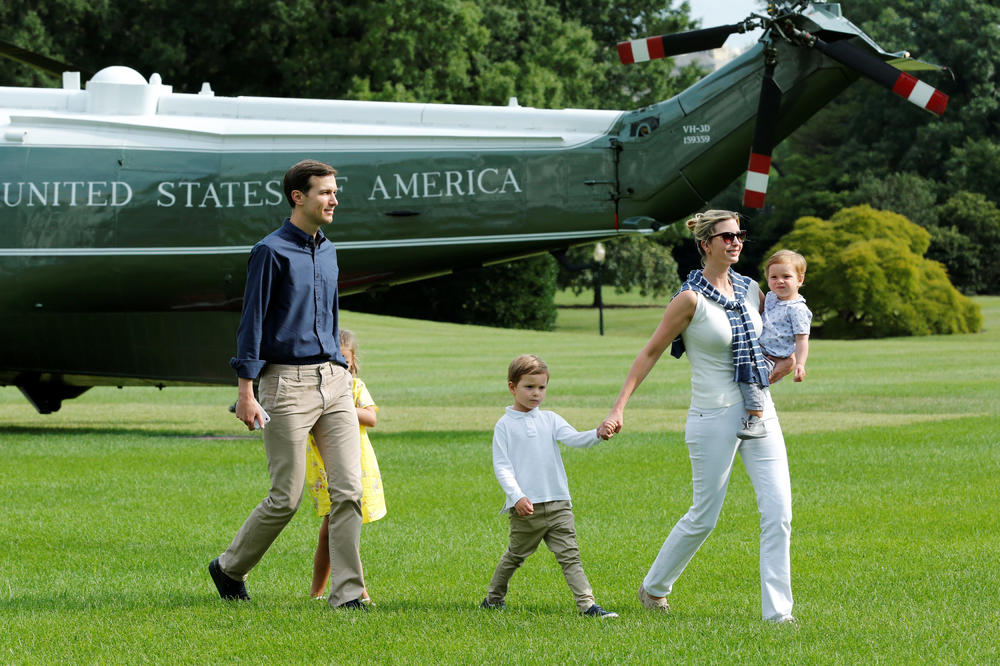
point(785, 331)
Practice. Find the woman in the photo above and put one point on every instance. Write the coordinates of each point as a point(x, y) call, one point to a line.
point(721, 345)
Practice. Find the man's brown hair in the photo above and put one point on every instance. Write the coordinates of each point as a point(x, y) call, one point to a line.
point(298, 177)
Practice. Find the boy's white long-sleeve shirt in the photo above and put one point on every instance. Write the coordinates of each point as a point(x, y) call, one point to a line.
point(526, 458)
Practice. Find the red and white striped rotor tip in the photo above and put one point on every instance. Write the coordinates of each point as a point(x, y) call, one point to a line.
point(758, 172)
point(923, 95)
point(640, 50)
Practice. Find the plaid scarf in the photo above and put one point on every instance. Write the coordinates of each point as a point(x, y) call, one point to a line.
point(748, 359)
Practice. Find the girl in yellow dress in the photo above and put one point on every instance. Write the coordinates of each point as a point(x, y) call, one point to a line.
point(372, 496)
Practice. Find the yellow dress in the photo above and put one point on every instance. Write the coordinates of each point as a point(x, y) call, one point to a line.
point(372, 495)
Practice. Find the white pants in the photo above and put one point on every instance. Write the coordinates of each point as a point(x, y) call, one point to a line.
point(712, 445)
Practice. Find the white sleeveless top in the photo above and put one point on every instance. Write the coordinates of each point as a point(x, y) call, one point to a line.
point(708, 344)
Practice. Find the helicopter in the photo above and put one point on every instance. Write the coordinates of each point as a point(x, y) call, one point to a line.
point(128, 210)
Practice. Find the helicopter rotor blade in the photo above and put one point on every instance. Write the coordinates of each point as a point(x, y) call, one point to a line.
point(759, 167)
point(903, 84)
point(662, 46)
point(37, 60)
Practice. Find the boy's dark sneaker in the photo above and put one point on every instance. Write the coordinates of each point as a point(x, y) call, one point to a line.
point(354, 604)
point(493, 605)
point(229, 589)
point(597, 611)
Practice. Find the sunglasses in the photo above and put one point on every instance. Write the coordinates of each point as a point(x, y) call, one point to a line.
point(729, 237)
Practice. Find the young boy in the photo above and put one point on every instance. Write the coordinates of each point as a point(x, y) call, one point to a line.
point(785, 331)
point(530, 470)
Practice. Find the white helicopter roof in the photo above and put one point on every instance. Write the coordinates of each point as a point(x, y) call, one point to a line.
point(120, 108)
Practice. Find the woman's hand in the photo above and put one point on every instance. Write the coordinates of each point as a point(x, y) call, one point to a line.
point(782, 366)
point(611, 425)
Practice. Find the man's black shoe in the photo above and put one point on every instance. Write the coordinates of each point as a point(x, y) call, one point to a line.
point(354, 604)
point(597, 611)
point(229, 589)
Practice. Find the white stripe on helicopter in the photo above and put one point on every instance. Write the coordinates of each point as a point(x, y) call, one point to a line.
point(349, 245)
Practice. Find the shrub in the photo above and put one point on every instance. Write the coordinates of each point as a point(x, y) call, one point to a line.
point(519, 294)
point(868, 277)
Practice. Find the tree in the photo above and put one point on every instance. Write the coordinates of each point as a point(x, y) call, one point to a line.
point(458, 51)
point(868, 277)
point(912, 196)
point(631, 262)
point(612, 21)
point(242, 47)
point(975, 166)
point(965, 241)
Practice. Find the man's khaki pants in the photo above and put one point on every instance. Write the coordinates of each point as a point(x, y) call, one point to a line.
point(553, 522)
point(301, 399)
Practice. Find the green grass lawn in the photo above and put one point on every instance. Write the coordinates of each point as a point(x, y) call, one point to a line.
point(113, 507)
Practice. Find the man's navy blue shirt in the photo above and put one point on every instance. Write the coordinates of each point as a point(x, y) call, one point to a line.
point(290, 309)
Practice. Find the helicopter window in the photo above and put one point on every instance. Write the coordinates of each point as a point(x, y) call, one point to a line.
point(644, 126)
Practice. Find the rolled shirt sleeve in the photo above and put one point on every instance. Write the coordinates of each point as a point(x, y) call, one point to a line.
point(260, 271)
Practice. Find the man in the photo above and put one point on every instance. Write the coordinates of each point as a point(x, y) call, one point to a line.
point(288, 336)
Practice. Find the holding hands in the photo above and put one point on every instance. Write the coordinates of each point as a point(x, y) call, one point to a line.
point(610, 426)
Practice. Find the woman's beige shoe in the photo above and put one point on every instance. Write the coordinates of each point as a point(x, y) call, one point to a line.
point(651, 603)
